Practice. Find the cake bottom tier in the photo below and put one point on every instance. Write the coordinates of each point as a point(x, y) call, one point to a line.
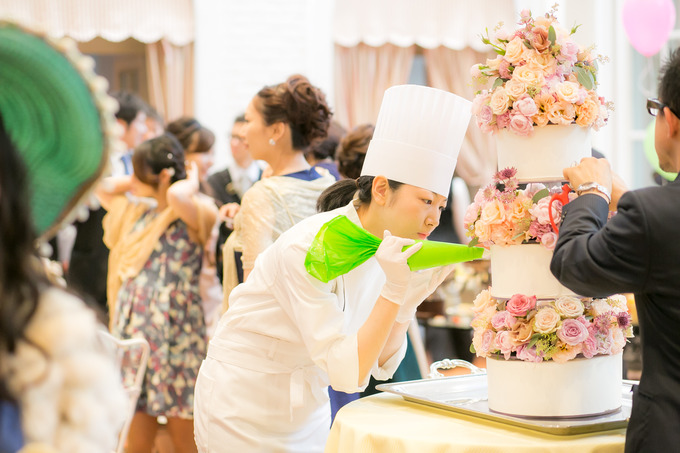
point(577, 388)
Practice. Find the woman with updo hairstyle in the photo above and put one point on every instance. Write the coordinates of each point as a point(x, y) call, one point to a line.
point(281, 122)
point(156, 234)
point(352, 150)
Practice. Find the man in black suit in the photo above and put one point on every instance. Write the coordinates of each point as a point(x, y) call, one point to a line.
point(637, 251)
point(228, 186)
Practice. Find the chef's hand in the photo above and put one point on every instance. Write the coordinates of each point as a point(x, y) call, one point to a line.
point(393, 263)
point(422, 284)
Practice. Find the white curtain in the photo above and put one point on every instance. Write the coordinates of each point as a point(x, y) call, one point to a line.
point(362, 74)
point(455, 24)
point(83, 20)
point(449, 70)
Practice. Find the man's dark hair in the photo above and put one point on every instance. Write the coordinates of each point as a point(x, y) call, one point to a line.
point(130, 105)
point(669, 82)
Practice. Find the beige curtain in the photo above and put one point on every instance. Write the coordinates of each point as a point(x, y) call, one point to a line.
point(449, 70)
point(170, 77)
point(362, 74)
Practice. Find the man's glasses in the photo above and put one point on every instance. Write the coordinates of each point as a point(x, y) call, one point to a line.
point(654, 106)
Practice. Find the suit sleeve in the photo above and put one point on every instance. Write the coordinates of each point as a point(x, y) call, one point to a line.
point(597, 258)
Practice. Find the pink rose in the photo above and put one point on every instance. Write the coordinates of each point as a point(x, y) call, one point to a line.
point(590, 346)
point(475, 71)
point(540, 211)
point(572, 332)
point(520, 124)
point(493, 213)
point(487, 342)
point(568, 51)
point(549, 240)
point(503, 120)
point(471, 215)
point(504, 69)
point(502, 320)
point(480, 101)
point(525, 105)
point(504, 343)
point(528, 354)
point(519, 304)
point(485, 114)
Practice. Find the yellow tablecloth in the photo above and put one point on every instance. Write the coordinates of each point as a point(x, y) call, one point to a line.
point(387, 423)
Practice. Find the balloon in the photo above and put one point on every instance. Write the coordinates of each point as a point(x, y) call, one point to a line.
point(650, 153)
point(648, 23)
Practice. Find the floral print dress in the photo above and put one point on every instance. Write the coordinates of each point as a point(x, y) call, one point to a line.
point(162, 305)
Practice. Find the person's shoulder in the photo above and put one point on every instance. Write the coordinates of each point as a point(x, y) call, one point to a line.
point(652, 197)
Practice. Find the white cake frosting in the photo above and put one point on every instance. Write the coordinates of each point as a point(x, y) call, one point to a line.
point(576, 388)
point(524, 269)
point(543, 156)
point(579, 387)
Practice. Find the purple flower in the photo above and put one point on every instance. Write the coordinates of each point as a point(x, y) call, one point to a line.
point(602, 323)
point(623, 319)
point(572, 332)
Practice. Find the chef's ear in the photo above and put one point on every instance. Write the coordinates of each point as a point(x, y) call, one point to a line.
point(380, 190)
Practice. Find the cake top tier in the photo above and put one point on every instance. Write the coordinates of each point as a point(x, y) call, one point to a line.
point(541, 76)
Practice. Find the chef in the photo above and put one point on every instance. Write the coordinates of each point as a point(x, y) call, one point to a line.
point(287, 334)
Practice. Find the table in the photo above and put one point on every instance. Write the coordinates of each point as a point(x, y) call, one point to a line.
point(387, 423)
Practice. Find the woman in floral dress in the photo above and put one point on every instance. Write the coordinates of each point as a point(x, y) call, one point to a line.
point(156, 235)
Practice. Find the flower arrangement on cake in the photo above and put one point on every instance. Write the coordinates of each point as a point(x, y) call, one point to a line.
point(540, 77)
point(536, 330)
point(504, 214)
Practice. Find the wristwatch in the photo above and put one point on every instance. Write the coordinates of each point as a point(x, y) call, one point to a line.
point(593, 185)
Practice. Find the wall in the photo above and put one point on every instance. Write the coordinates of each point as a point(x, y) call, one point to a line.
point(242, 46)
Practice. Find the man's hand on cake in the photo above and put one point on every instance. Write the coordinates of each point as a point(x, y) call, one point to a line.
point(592, 176)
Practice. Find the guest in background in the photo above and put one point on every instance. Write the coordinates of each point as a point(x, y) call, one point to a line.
point(198, 141)
point(635, 252)
point(153, 284)
point(60, 390)
point(155, 125)
point(321, 153)
point(87, 268)
point(229, 185)
point(282, 121)
point(352, 150)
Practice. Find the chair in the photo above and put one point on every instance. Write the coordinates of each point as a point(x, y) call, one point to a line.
point(131, 354)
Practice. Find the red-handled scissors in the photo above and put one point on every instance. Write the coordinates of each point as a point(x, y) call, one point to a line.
point(564, 198)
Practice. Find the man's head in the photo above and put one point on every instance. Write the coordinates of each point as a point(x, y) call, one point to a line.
point(239, 148)
point(667, 127)
point(132, 117)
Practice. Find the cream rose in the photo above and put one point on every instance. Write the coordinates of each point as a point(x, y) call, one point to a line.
point(528, 76)
point(546, 320)
point(569, 306)
point(568, 92)
point(493, 64)
point(483, 301)
point(500, 101)
point(514, 51)
point(515, 89)
point(561, 113)
point(493, 213)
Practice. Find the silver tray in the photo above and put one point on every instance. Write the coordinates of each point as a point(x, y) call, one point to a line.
point(467, 395)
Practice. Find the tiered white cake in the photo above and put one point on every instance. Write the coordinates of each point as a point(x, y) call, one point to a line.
point(578, 387)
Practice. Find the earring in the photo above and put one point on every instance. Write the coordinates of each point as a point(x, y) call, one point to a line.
point(272, 142)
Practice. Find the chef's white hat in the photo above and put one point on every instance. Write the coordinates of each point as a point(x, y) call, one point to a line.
point(418, 136)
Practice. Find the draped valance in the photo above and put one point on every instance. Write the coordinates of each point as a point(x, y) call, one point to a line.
point(455, 24)
point(114, 20)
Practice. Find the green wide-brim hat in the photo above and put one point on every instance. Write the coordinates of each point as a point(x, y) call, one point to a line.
point(59, 119)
